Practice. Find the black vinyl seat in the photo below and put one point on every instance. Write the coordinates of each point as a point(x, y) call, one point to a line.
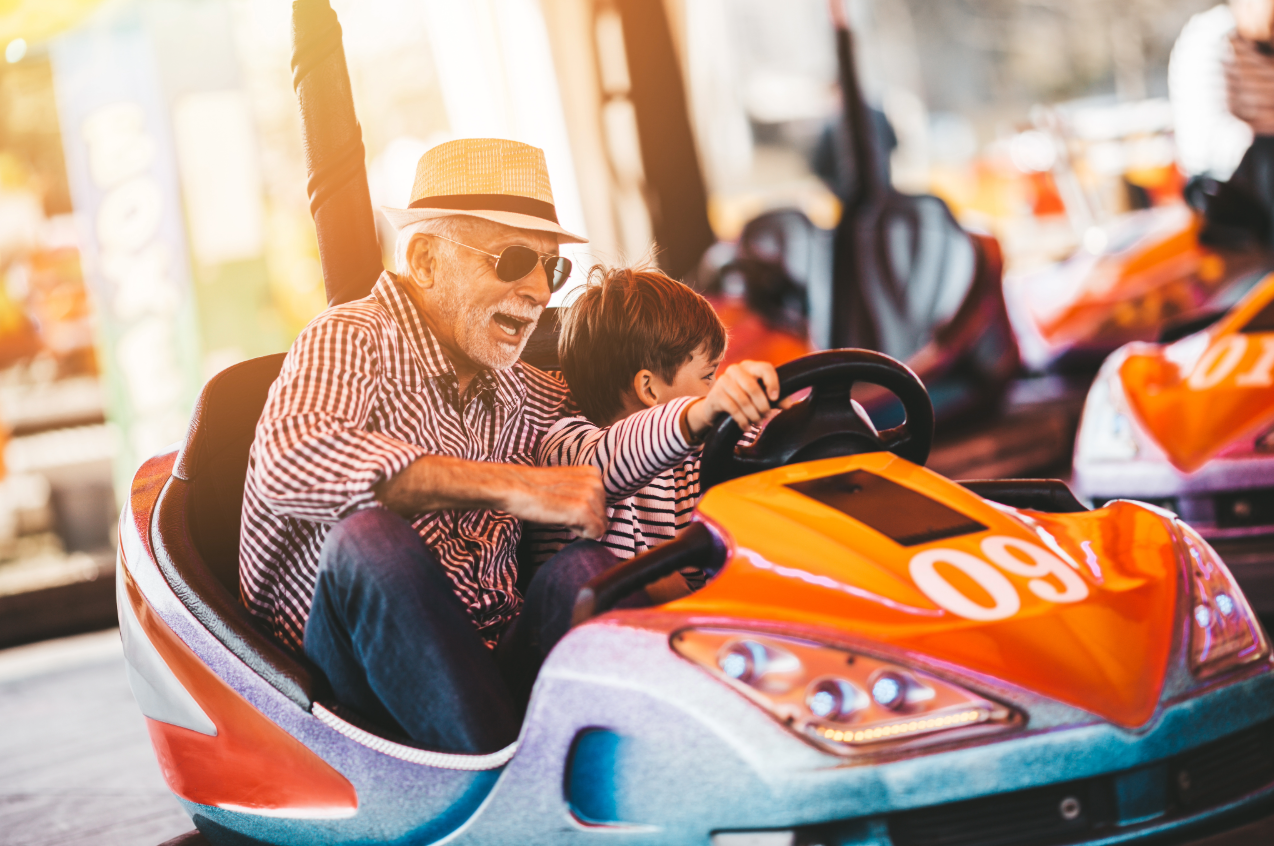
point(924, 281)
point(1049, 495)
point(196, 532)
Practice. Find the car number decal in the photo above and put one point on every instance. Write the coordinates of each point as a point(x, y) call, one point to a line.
point(1223, 357)
point(1013, 555)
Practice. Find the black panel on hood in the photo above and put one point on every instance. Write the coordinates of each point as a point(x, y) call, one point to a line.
point(905, 516)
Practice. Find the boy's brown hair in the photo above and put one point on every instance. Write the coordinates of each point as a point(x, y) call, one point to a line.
point(625, 320)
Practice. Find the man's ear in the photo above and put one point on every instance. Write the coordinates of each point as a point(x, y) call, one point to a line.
point(644, 388)
point(422, 260)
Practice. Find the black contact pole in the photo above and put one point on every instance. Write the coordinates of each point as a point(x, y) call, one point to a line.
point(851, 323)
point(676, 192)
point(858, 119)
point(333, 141)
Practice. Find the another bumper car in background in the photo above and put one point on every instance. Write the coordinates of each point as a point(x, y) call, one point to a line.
point(897, 275)
point(1146, 269)
point(1133, 276)
point(1188, 424)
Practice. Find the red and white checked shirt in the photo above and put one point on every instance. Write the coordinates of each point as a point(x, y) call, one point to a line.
point(364, 392)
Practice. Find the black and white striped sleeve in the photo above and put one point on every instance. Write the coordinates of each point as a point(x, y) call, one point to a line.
point(313, 458)
point(629, 453)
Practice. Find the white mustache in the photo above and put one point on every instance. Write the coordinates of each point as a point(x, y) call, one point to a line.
point(519, 309)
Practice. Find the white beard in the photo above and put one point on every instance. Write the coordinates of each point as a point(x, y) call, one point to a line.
point(470, 323)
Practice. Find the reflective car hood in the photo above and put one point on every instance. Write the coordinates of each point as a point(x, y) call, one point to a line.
point(932, 577)
point(1151, 268)
point(1201, 394)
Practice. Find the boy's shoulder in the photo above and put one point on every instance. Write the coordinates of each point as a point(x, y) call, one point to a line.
point(546, 387)
point(571, 426)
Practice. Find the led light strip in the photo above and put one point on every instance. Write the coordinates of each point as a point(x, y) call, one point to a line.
point(893, 731)
point(412, 755)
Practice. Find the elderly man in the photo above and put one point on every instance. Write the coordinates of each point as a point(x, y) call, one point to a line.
point(392, 464)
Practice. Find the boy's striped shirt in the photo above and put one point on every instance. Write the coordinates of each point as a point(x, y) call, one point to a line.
point(642, 520)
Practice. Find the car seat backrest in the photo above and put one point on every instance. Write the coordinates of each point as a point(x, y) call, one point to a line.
point(914, 269)
point(196, 534)
point(214, 460)
point(796, 288)
point(197, 529)
point(784, 237)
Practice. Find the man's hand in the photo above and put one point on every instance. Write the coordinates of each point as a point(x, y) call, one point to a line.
point(566, 496)
point(745, 391)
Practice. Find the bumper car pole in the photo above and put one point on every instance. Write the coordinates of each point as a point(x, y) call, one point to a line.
point(852, 323)
point(334, 157)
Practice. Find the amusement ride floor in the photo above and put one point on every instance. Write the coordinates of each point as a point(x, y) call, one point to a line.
point(76, 766)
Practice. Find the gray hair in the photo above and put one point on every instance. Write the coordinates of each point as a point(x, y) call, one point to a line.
point(452, 226)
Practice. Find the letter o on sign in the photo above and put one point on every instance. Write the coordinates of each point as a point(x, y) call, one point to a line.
point(926, 576)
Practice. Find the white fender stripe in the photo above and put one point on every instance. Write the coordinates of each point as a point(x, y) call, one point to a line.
point(412, 755)
point(157, 691)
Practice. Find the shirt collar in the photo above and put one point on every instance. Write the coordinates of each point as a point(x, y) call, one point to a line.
point(509, 385)
point(389, 291)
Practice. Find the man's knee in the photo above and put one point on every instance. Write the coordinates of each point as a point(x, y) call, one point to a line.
point(572, 567)
point(368, 543)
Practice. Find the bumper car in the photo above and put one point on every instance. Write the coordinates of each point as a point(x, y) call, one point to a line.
point(1188, 424)
point(881, 656)
point(898, 275)
point(1135, 275)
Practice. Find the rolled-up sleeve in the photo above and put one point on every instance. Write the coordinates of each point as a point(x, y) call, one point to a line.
point(313, 458)
point(629, 453)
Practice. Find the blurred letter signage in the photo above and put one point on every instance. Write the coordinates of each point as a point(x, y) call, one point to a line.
point(124, 184)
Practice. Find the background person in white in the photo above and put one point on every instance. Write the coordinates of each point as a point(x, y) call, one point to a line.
point(1221, 84)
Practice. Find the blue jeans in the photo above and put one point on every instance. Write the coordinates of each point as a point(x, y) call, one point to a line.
point(399, 648)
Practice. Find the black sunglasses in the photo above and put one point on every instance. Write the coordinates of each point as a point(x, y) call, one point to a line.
point(515, 262)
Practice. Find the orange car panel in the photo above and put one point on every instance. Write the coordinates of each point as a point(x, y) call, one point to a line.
point(1129, 294)
point(1078, 607)
point(1207, 390)
point(251, 764)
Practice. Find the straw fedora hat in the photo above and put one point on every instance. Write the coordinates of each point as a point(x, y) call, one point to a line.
point(489, 178)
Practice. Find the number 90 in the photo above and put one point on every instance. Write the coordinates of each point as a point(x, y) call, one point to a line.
point(1016, 556)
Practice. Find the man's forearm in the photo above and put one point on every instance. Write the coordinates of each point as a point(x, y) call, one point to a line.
point(443, 483)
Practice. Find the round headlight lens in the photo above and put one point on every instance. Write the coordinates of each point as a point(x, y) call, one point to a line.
point(833, 699)
point(823, 703)
point(889, 690)
point(765, 666)
point(743, 660)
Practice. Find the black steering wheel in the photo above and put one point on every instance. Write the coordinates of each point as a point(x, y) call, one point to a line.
point(828, 423)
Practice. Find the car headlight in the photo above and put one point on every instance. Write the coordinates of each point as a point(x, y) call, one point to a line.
point(1106, 429)
point(842, 701)
point(1224, 632)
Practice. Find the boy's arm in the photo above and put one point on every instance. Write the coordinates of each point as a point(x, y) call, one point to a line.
point(629, 453)
point(638, 448)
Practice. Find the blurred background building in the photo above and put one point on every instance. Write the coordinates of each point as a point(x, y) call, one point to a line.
point(155, 224)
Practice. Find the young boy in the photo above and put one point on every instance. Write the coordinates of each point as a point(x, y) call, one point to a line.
point(640, 352)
